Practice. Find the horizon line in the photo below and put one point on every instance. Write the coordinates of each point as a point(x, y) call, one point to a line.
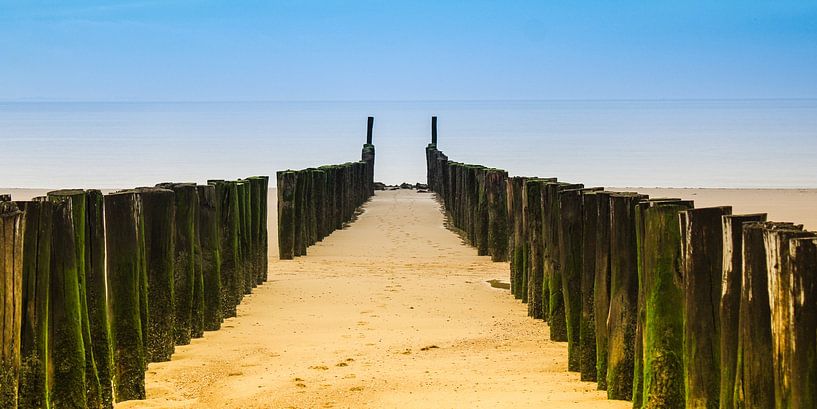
point(217, 101)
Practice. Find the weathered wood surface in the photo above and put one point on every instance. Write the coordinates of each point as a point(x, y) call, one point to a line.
point(781, 305)
point(623, 311)
point(77, 197)
point(587, 327)
point(601, 285)
point(803, 376)
point(495, 181)
point(534, 267)
point(702, 267)
point(518, 243)
point(125, 264)
point(557, 319)
point(33, 390)
point(210, 244)
point(12, 230)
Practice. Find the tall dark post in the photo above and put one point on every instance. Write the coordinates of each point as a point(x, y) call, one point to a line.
point(434, 130)
point(369, 127)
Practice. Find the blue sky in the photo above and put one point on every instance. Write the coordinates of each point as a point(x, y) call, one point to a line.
point(421, 50)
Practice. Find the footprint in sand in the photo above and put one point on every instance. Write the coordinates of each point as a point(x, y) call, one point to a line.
point(320, 367)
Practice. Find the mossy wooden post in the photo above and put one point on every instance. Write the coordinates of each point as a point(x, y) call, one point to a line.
point(587, 326)
point(623, 295)
point(702, 268)
point(184, 266)
point(781, 305)
point(518, 240)
point(754, 379)
point(535, 269)
point(12, 231)
point(319, 187)
point(210, 241)
point(33, 392)
point(551, 221)
point(803, 253)
point(570, 260)
point(122, 237)
point(96, 294)
point(79, 209)
point(286, 181)
point(497, 214)
point(5, 198)
point(245, 233)
point(601, 285)
point(481, 217)
point(231, 285)
point(663, 382)
point(301, 197)
point(258, 184)
point(730, 301)
point(159, 214)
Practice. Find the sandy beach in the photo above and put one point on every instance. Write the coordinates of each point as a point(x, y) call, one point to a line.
point(395, 312)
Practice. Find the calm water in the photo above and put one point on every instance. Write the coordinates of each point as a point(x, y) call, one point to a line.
point(769, 143)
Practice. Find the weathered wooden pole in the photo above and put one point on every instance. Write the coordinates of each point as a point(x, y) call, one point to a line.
point(663, 382)
point(33, 392)
point(729, 314)
point(184, 267)
point(623, 311)
point(535, 265)
point(587, 326)
point(481, 214)
point(79, 209)
point(245, 234)
point(231, 283)
point(301, 195)
point(551, 220)
point(159, 213)
point(12, 231)
point(495, 181)
point(803, 253)
point(754, 379)
point(601, 285)
point(286, 181)
point(210, 242)
point(781, 304)
point(434, 130)
point(125, 255)
point(519, 243)
point(702, 268)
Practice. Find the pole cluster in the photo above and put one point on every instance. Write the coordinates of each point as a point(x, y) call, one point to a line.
point(314, 202)
point(97, 286)
point(660, 303)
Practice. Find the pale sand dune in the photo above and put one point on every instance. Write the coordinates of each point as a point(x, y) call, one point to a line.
point(346, 326)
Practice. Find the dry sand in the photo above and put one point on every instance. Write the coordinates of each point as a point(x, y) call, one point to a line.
point(395, 312)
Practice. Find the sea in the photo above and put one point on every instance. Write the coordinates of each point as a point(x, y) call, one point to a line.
point(770, 143)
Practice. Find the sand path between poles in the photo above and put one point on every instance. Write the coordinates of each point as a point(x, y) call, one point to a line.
point(392, 312)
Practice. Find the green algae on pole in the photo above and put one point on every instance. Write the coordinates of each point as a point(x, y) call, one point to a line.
point(158, 209)
point(519, 242)
point(601, 285)
point(587, 325)
point(226, 193)
point(184, 266)
point(33, 392)
point(702, 268)
point(12, 230)
point(663, 381)
point(803, 264)
point(210, 244)
point(78, 208)
point(96, 294)
point(754, 379)
point(557, 318)
point(730, 301)
point(623, 295)
point(781, 305)
point(286, 181)
point(570, 261)
point(66, 345)
point(125, 254)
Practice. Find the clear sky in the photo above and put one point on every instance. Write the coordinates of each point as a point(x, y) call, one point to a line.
point(414, 50)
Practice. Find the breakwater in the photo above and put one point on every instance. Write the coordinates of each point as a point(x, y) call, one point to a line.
point(661, 303)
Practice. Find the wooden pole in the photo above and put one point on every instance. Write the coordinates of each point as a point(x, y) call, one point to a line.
point(730, 301)
point(663, 296)
point(587, 327)
point(754, 379)
point(535, 269)
point(702, 267)
point(159, 213)
point(286, 181)
point(623, 295)
point(210, 242)
point(12, 230)
point(184, 268)
point(519, 243)
point(601, 285)
point(495, 181)
point(33, 392)
point(79, 209)
point(781, 303)
point(125, 252)
point(434, 130)
point(551, 220)
point(369, 128)
point(803, 253)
